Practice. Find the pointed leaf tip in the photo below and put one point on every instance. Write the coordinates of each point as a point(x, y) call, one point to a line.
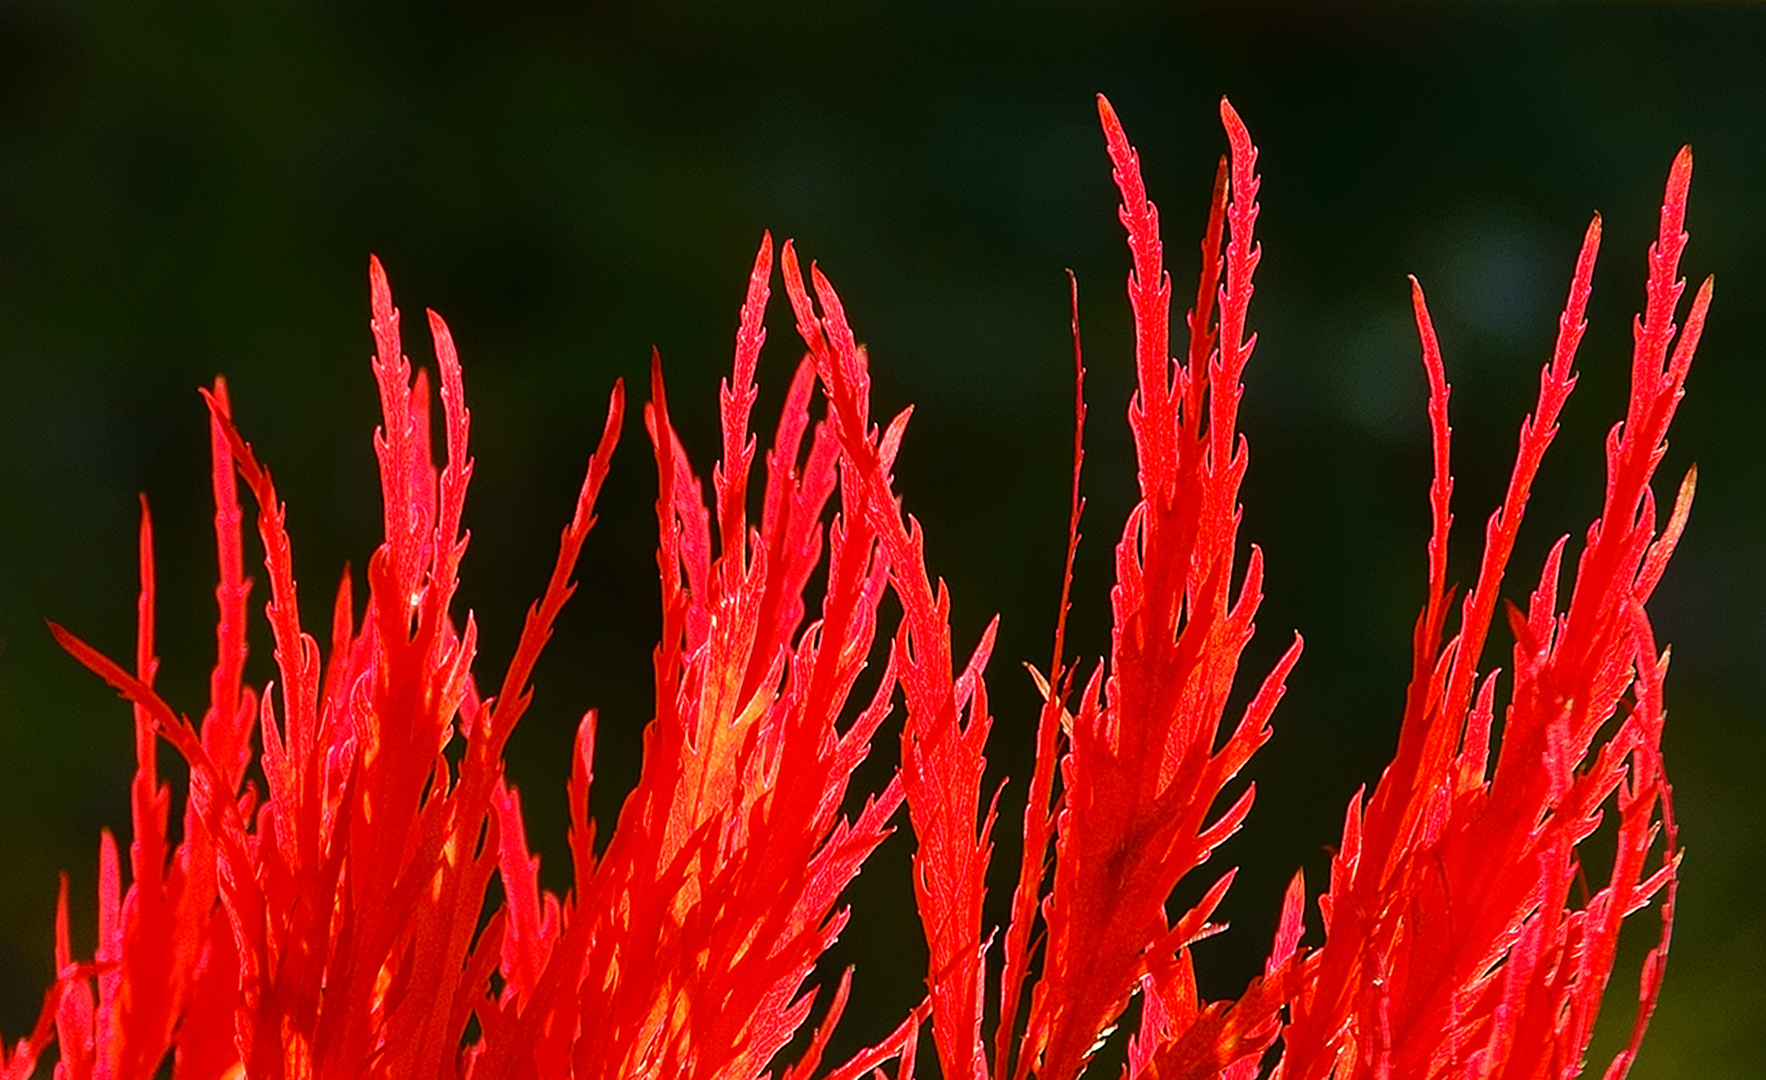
point(379, 289)
point(1107, 114)
point(1229, 117)
point(1291, 925)
point(658, 395)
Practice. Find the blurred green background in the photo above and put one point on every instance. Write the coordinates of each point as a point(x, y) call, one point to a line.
point(191, 189)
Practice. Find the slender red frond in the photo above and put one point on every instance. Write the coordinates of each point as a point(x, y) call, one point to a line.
point(1147, 763)
point(1443, 957)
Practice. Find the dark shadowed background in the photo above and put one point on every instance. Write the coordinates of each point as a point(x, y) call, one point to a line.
point(193, 190)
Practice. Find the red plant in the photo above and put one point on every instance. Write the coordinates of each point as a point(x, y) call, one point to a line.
point(336, 921)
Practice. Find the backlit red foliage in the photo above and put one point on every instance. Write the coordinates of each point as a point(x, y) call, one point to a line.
point(331, 913)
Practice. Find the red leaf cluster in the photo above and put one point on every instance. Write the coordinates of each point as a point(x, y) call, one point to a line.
point(332, 914)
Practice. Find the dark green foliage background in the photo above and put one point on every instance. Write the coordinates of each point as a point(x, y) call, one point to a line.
point(193, 190)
